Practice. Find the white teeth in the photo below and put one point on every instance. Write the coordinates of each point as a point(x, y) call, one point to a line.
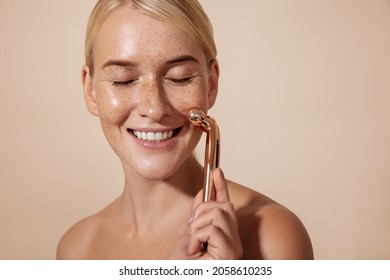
point(158, 136)
point(153, 136)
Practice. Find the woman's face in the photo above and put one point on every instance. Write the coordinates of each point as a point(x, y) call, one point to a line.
point(147, 75)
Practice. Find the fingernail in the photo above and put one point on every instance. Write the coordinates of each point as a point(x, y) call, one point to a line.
point(191, 218)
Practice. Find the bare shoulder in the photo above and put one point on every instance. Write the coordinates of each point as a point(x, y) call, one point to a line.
point(75, 243)
point(79, 242)
point(268, 230)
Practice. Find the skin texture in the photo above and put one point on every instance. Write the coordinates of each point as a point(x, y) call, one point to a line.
point(147, 75)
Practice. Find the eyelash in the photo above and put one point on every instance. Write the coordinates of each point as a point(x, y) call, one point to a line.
point(182, 81)
point(122, 84)
point(176, 81)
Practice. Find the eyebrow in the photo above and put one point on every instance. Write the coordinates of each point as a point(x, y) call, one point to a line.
point(118, 62)
point(183, 58)
point(127, 63)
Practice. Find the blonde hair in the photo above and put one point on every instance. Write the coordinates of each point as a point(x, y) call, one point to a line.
point(188, 15)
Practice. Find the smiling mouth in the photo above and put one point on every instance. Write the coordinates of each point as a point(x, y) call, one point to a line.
point(151, 136)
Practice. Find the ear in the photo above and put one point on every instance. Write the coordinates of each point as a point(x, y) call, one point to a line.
point(89, 91)
point(213, 82)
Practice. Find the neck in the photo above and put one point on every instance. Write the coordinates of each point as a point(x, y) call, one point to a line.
point(147, 203)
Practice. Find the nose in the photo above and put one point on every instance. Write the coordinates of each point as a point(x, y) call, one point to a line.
point(153, 102)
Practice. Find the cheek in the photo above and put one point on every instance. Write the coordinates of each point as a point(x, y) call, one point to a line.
point(189, 99)
point(113, 108)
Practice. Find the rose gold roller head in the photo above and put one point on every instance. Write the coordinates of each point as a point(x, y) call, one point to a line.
point(212, 152)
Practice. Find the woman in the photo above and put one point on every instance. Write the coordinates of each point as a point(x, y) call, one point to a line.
point(148, 62)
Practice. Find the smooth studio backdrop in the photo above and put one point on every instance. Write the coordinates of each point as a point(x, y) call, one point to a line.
point(303, 107)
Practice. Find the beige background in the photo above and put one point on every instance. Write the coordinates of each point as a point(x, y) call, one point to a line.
point(304, 111)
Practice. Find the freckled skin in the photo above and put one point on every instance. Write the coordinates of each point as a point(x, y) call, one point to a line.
point(152, 101)
point(147, 75)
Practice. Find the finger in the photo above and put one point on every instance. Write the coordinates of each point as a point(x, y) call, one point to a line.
point(220, 185)
point(220, 215)
point(203, 236)
point(218, 246)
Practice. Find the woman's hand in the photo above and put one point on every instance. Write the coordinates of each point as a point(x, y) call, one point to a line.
point(212, 228)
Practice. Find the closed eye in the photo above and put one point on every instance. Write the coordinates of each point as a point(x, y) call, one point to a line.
point(182, 81)
point(122, 83)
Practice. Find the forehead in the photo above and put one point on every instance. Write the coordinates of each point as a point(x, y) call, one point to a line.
point(131, 34)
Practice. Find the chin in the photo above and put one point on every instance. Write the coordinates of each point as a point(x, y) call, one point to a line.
point(157, 171)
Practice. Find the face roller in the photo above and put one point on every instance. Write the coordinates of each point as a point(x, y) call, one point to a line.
point(212, 153)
